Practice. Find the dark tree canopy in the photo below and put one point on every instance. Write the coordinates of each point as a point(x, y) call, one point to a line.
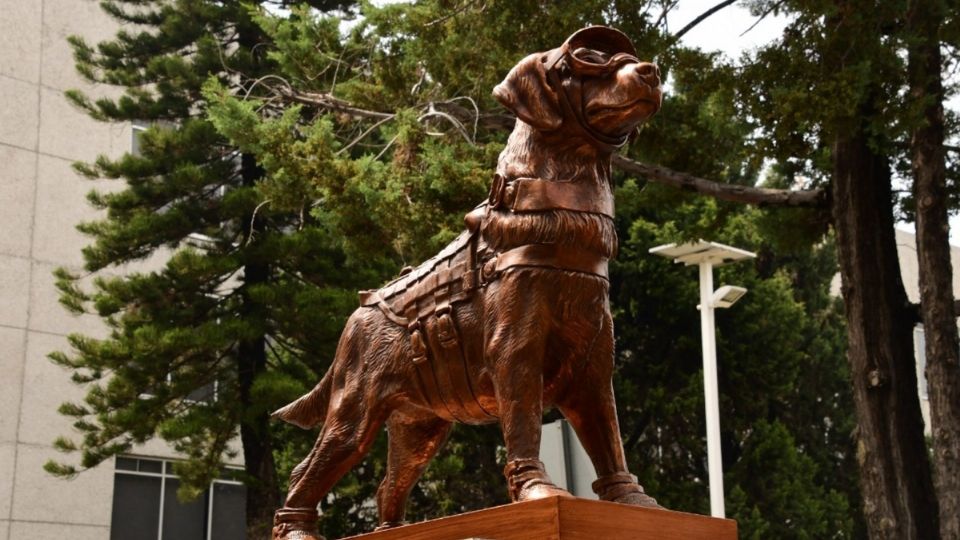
point(276, 208)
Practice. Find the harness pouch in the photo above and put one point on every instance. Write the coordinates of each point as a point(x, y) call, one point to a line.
point(451, 368)
point(418, 347)
point(447, 332)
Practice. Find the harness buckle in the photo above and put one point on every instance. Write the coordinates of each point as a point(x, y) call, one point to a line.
point(488, 271)
point(497, 188)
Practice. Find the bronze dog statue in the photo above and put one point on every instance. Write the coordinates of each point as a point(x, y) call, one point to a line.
point(511, 317)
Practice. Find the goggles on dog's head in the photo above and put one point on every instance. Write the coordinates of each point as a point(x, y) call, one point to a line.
point(591, 52)
point(579, 52)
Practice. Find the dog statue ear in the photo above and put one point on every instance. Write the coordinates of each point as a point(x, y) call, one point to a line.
point(526, 93)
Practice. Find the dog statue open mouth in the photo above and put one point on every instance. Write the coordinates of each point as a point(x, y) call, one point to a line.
point(512, 317)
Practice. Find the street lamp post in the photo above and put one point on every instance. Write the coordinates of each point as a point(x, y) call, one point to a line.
point(706, 255)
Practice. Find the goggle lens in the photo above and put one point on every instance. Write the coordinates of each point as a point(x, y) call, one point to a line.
point(584, 61)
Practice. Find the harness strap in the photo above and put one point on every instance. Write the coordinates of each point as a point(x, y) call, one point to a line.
point(373, 298)
point(551, 256)
point(429, 381)
point(451, 370)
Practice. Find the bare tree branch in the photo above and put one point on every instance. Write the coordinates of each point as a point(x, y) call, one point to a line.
point(363, 135)
point(701, 18)
point(726, 192)
point(666, 10)
point(328, 102)
point(762, 17)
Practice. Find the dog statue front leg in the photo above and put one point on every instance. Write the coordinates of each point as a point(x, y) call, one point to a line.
point(528, 480)
point(590, 407)
point(520, 418)
point(515, 355)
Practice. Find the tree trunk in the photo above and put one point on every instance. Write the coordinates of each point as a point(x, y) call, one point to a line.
point(263, 492)
point(933, 249)
point(891, 452)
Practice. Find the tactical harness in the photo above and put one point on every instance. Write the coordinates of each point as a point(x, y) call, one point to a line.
point(420, 299)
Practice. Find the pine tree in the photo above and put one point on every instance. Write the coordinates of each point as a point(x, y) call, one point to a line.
point(199, 351)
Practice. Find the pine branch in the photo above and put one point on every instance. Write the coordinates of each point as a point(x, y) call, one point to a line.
point(328, 102)
point(811, 198)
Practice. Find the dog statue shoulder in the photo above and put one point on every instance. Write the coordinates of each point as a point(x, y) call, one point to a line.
point(512, 317)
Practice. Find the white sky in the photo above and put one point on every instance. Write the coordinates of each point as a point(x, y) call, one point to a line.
point(724, 30)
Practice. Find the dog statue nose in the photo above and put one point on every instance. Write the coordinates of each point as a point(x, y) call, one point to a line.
point(648, 72)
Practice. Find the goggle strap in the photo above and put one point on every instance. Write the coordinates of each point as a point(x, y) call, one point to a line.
point(553, 57)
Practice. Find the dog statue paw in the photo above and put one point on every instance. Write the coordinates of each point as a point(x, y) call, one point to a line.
point(390, 525)
point(528, 480)
point(296, 524)
point(623, 488)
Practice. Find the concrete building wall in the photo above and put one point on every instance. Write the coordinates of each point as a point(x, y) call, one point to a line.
point(909, 267)
point(43, 199)
point(910, 271)
point(41, 134)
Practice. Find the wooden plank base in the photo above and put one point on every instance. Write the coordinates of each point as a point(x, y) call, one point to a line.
point(559, 518)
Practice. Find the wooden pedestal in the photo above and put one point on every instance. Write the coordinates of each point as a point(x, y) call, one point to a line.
point(564, 519)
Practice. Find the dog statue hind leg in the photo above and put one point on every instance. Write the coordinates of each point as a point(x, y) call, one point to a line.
point(412, 444)
point(352, 404)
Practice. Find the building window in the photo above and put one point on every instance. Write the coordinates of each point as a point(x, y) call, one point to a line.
point(145, 505)
point(137, 128)
point(205, 394)
point(920, 353)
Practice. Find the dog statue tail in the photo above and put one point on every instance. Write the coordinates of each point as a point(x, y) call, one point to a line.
point(310, 410)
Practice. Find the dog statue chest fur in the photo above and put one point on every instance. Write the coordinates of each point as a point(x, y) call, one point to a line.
point(511, 317)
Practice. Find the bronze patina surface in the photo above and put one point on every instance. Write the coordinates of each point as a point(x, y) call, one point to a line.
point(511, 317)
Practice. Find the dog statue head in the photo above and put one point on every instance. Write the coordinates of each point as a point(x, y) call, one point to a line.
point(592, 87)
